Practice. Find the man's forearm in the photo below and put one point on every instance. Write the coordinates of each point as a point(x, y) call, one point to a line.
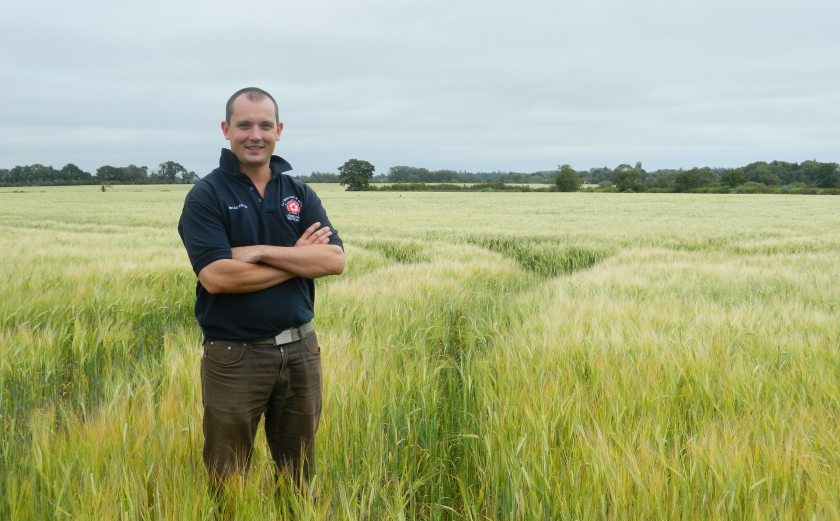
point(234, 276)
point(311, 261)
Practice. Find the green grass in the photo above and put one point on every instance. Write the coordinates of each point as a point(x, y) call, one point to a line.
point(486, 356)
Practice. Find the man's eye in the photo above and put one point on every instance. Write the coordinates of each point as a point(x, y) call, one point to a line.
point(266, 126)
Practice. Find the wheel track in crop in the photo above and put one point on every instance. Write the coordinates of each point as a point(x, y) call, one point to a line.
point(471, 328)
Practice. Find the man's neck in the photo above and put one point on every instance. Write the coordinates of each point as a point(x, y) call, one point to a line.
point(259, 178)
point(258, 174)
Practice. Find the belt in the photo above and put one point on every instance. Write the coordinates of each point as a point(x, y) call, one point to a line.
point(287, 336)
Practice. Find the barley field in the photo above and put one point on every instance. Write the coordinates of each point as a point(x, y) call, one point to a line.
point(509, 356)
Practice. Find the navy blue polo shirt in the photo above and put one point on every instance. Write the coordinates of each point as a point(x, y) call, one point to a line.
point(225, 210)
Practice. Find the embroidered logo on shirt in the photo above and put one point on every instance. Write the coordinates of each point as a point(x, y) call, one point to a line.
point(237, 206)
point(293, 206)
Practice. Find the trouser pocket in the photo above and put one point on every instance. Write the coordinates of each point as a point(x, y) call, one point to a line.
point(224, 354)
point(312, 344)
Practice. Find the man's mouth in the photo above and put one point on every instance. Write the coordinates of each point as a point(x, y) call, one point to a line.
point(254, 147)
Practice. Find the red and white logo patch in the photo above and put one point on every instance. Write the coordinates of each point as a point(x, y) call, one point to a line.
point(293, 206)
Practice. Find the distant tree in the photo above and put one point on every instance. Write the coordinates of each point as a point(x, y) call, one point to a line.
point(765, 176)
point(356, 174)
point(733, 177)
point(442, 176)
point(321, 177)
point(108, 173)
point(785, 172)
point(827, 175)
point(189, 177)
point(72, 174)
point(169, 172)
point(627, 178)
point(136, 174)
point(172, 172)
point(762, 173)
point(751, 187)
point(406, 174)
point(130, 174)
point(567, 179)
point(661, 180)
point(36, 174)
point(694, 178)
point(596, 175)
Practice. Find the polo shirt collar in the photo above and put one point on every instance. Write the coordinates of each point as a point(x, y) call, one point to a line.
point(229, 164)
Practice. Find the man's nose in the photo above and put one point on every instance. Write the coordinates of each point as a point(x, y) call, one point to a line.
point(254, 134)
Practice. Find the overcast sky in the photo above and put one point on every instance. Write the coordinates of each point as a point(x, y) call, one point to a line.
point(466, 85)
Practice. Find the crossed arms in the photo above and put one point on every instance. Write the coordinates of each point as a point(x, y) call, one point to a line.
point(258, 267)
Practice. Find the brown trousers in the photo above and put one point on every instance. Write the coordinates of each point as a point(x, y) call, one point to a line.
point(241, 382)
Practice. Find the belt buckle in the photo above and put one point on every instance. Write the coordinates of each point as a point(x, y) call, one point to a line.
point(284, 337)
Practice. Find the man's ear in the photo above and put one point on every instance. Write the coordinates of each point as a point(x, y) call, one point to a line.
point(279, 130)
point(226, 129)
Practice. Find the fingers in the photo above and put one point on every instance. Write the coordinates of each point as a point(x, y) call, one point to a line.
point(322, 236)
point(309, 231)
point(315, 234)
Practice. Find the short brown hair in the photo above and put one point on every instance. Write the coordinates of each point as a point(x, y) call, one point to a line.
point(254, 94)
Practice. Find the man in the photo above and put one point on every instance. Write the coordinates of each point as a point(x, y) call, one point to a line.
point(257, 238)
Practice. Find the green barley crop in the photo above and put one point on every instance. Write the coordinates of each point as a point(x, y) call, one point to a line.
point(486, 356)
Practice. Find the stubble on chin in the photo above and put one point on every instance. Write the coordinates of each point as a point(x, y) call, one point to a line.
point(254, 162)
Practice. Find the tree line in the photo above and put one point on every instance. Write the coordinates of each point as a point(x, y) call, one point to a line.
point(411, 174)
point(758, 177)
point(168, 172)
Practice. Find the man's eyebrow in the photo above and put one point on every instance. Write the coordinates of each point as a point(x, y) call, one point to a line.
point(263, 123)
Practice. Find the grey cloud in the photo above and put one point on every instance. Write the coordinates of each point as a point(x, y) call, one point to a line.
point(465, 85)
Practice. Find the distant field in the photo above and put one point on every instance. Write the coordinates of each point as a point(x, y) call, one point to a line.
point(486, 355)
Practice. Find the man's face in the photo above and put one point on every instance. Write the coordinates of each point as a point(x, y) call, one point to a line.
point(253, 131)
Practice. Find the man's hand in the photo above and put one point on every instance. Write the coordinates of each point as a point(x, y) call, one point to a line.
point(251, 254)
point(315, 234)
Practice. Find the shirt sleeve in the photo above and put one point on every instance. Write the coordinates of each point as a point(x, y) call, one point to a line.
point(313, 211)
point(202, 230)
